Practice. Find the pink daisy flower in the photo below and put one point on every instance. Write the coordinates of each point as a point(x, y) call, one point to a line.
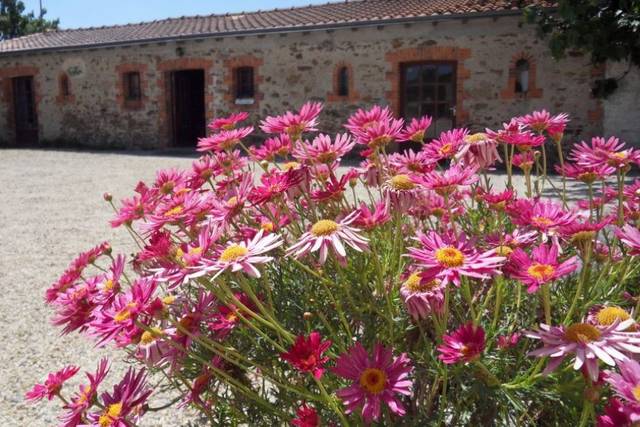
point(478, 150)
point(615, 415)
point(609, 152)
point(411, 162)
point(448, 258)
point(586, 174)
point(363, 119)
point(323, 150)
point(465, 344)
point(370, 219)
point(506, 342)
point(81, 401)
point(630, 237)
point(541, 268)
point(225, 140)
point(587, 343)
point(379, 134)
point(52, 385)
point(447, 182)
point(272, 147)
point(326, 234)
point(402, 191)
point(525, 160)
point(446, 146)
point(422, 296)
point(306, 354)
point(416, 130)
point(306, 416)
point(241, 256)
point(544, 216)
point(294, 124)
point(228, 123)
point(626, 386)
point(377, 379)
point(541, 121)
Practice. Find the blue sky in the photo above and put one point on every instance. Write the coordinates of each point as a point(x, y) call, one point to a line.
point(88, 13)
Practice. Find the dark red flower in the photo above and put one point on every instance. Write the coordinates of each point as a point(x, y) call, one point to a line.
point(306, 354)
point(306, 416)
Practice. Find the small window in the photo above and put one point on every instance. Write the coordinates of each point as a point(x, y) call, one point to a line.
point(522, 76)
point(343, 81)
point(245, 87)
point(65, 88)
point(132, 86)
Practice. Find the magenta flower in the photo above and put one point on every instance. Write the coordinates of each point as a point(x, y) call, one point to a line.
point(52, 385)
point(306, 354)
point(376, 380)
point(323, 150)
point(630, 236)
point(541, 268)
point(294, 124)
point(478, 151)
point(601, 152)
point(587, 343)
point(363, 119)
point(225, 140)
point(544, 216)
point(447, 182)
point(279, 145)
point(416, 130)
point(370, 219)
point(306, 416)
point(448, 258)
point(422, 296)
point(446, 146)
point(228, 123)
point(614, 415)
point(465, 344)
point(85, 397)
point(325, 234)
point(626, 386)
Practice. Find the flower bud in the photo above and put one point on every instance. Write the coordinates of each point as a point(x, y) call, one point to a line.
point(307, 315)
point(107, 197)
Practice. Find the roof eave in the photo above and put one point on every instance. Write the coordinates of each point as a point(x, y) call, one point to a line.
point(276, 30)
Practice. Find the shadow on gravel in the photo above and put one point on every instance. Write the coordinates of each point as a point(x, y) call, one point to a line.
point(165, 152)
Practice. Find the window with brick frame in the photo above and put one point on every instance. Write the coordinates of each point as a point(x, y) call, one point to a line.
point(522, 76)
point(132, 86)
point(343, 81)
point(244, 83)
point(65, 87)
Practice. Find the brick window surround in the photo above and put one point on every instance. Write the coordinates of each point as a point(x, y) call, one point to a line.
point(6, 92)
point(180, 64)
point(397, 58)
point(510, 91)
point(121, 71)
point(64, 98)
point(334, 95)
point(231, 65)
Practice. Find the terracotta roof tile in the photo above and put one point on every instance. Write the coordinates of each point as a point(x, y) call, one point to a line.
point(337, 13)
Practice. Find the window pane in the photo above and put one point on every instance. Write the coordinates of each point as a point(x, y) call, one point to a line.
point(413, 94)
point(444, 93)
point(429, 74)
point(343, 82)
point(445, 73)
point(132, 86)
point(412, 110)
point(428, 93)
point(244, 83)
point(411, 74)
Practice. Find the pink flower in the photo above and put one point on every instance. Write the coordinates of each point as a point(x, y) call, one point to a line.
point(241, 256)
point(416, 130)
point(85, 398)
point(272, 147)
point(465, 344)
point(626, 386)
point(601, 152)
point(411, 162)
point(448, 258)
point(614, 415)
point(228, 123)
point(325, 234)
point(586, 174)
point(306, 416)
point(376, 380)
point(544, 216)
point(225, 140)
point(587, 343)
point(448, 182)
point(402, 191)
point(124, 405)
point(525, 160)
point(379, 134)
point(323, 150)
point(52, 385)
point(478, 150)
point(508, 341)
point(446, 146)
point(541, 268)
point(363, 119)
point(540, 121)
point(630, 236)
point(306, 354)
point(370, 219)
point(274, 184)
point(422, 296)
point(294, 124)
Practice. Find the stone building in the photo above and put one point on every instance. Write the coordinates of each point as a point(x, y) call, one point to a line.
point(465, 62)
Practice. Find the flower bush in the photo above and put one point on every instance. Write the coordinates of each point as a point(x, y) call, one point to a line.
point(274, 285)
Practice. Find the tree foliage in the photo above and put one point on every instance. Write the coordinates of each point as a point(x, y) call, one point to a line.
point(15, 22)
point(608, 30)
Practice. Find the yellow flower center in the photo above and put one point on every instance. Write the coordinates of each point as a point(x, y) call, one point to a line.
point(402, 182)
point(228, 126)
point(233, 252)
point(168, 300)
point(267, 227)
point(290, 165)
point(124, 314)
point(583, 236)
point(475, 138)
point(415, 283)
point(324, 227)
point(581, 333)
point(542, 221)
point(587, 177)
point(450, 257)
point(174, 211)
point(107, 285)
point(232, 201)
point(150, 336)
point(504, 250)
point(446, 149)
point(327, 157)
point(373, 380)
point(609, 315)
point(418, 137)
point(167, 187)
point(380, 141)
point(541, 271)
point(110, 415)
point(636, 392)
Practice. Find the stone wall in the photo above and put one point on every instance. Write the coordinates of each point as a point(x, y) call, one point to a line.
point(294, 67)
point(622, 108)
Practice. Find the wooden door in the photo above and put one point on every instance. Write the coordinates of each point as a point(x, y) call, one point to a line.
point(26, 118)
point(188, 108)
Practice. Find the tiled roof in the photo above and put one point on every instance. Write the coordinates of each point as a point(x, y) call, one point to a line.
point(345, 13)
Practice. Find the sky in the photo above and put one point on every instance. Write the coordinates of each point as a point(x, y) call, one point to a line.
point(91, 13)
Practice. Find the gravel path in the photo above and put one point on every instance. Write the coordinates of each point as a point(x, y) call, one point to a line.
point(51, 208)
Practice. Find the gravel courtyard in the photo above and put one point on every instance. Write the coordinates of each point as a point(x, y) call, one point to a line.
point(51, 208)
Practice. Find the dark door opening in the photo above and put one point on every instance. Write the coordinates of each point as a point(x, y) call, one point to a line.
point(24, 106)
point(187, 106)
point(429, 88)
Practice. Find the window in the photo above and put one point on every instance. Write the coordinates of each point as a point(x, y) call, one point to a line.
point(244, 83)
point(65, 89)
point(132, 91)
point(343, 81)
point(522, 76)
